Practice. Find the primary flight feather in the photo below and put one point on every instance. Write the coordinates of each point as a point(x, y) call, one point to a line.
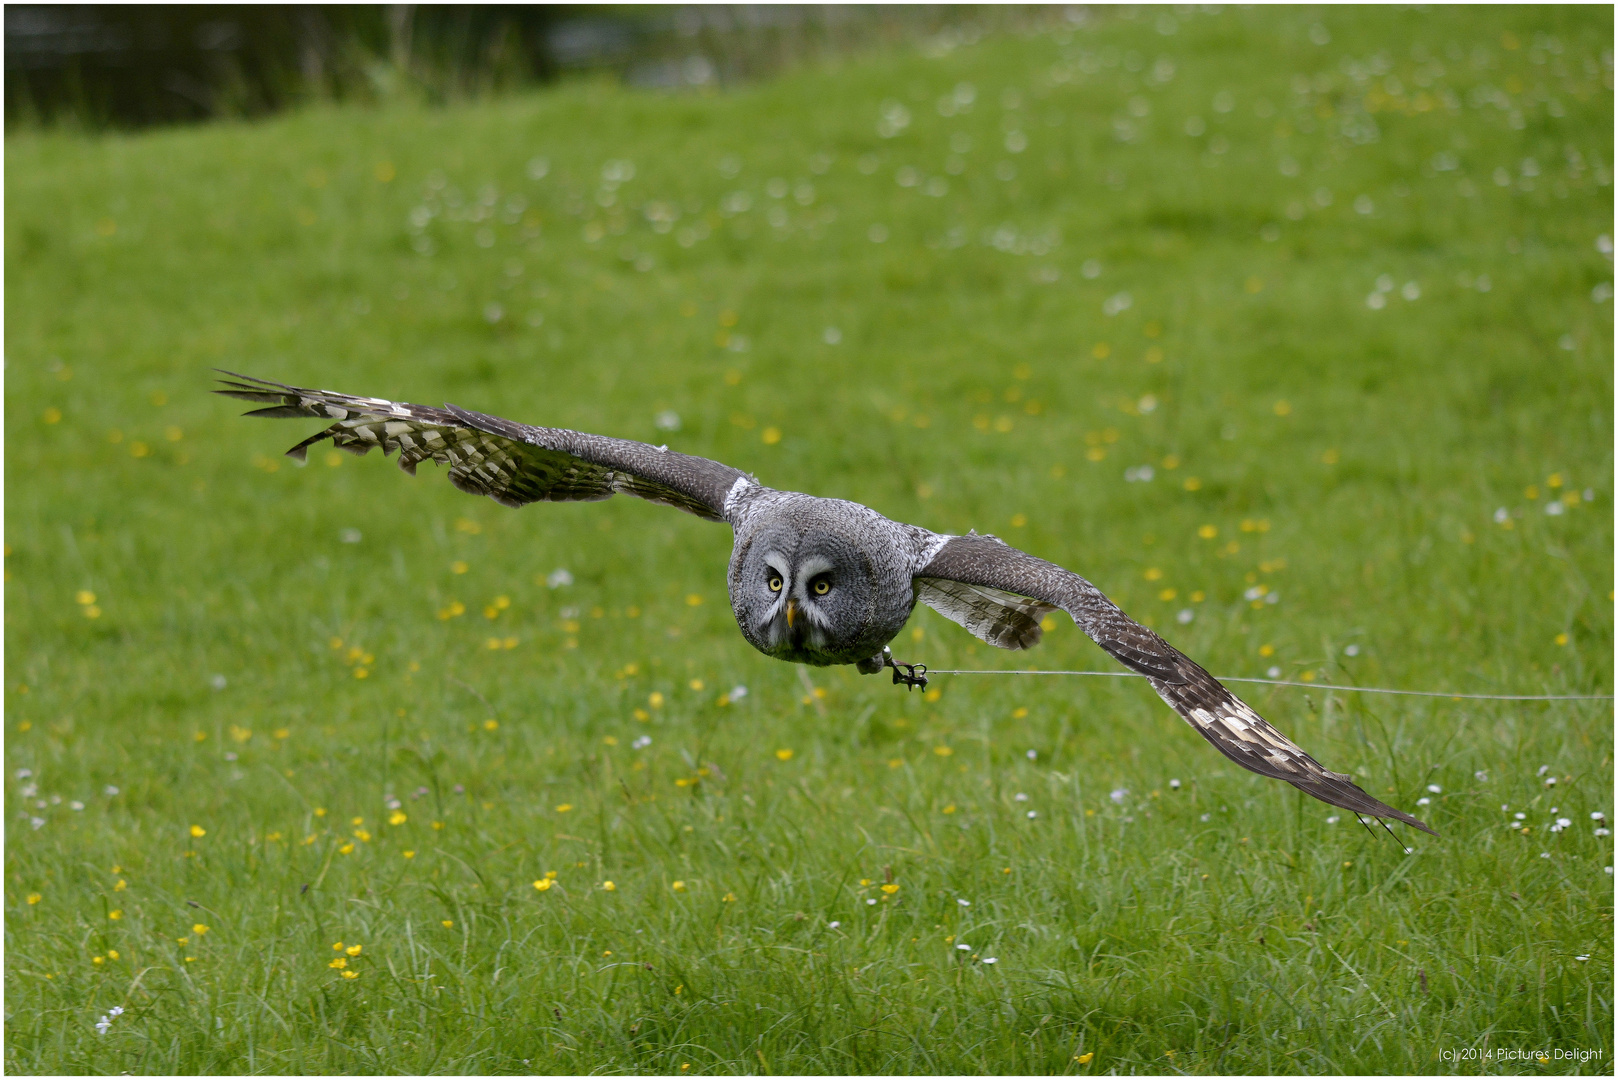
point(812, 580)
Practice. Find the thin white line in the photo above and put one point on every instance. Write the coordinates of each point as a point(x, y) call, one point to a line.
point(1315, 685)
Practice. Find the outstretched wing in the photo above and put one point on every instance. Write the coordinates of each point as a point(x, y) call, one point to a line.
point(513, 464)
point(993, 615)
point(1222, 718)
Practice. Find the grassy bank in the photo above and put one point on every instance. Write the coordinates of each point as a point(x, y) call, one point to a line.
point(1209, 308)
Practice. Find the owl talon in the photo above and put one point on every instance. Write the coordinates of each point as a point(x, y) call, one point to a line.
point(910, 675)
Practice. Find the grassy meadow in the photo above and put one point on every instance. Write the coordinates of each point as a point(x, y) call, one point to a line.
point(1290, 329)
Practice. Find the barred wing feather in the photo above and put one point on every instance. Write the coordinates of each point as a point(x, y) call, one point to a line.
point(1001, 618)
point(512, 463)
point(1226, 721)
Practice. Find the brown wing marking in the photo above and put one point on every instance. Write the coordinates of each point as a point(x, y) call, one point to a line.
point(1226, 721)
point(1001, 618)
point(514, 464)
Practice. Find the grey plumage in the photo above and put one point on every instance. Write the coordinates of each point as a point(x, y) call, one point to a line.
point(812, 580)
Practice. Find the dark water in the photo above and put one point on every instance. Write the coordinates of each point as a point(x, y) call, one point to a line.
point(101, 65)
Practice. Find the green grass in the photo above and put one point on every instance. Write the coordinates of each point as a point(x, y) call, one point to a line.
point(1349, 458)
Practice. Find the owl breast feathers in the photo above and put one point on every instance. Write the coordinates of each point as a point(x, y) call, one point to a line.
point(811, 580)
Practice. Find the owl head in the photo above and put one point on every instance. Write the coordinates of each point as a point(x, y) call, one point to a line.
point(804, 591)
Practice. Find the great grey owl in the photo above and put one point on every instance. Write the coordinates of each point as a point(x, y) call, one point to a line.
point(812, 580)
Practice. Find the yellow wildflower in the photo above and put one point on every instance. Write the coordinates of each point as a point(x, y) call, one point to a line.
point(543, 884)
point(34, 898)
point(398, 817)
point(784, 755)
point(609, 886)
point(351, 974)
point(354, 950)
point(199, 929)
point(198, 831)
point(339, 963)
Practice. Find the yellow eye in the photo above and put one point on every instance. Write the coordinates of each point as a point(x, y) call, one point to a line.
point(775, 584)
point(822, 587)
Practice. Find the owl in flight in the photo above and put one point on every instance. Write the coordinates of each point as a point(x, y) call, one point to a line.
point(812, 580)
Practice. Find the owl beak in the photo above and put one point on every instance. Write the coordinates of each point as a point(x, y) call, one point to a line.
point(792, 611)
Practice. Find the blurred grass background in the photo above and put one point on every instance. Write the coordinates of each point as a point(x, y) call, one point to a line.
point(1209, 307)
